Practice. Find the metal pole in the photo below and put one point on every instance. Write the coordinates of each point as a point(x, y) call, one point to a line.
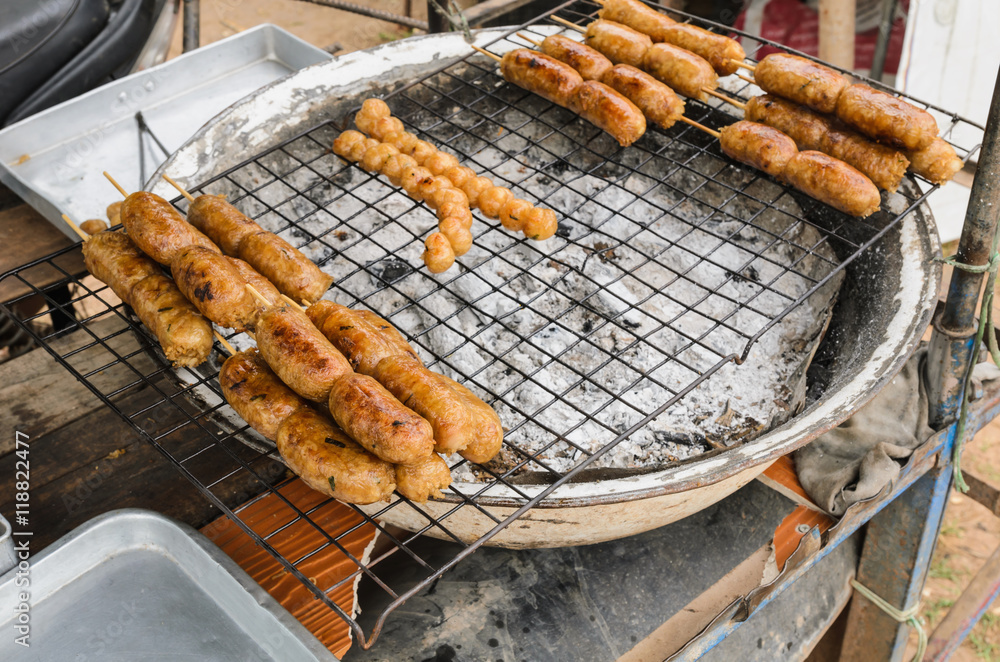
point(436, 20)
point(192, 20)
point(955, 328)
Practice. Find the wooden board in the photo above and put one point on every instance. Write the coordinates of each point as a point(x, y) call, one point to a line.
point(34, 237)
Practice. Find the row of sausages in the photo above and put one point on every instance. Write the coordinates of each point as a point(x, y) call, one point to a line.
point(298, 363)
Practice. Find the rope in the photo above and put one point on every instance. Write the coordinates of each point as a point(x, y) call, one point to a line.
point(985, 322)
point(456, 17)
point(908, 616)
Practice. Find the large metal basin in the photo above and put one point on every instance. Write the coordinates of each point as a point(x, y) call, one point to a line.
point(885, 304)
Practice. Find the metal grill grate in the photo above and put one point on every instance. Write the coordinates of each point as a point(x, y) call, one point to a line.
point(526, 326)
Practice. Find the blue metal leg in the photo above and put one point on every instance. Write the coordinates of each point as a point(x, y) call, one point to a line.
point(895, 559)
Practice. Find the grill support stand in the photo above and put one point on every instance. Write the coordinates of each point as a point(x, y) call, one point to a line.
point(955, 327)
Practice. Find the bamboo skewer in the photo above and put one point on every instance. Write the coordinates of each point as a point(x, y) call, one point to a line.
point(744, 65)
point(116, 184)
point(749, 80)
point(224, 342)
point(190, 198)
point(568, 24)
point(76, 228)
point(258, 295)
point(486, 52)
point(528, 39)
point(727, 99)
point(711, 132)
point(292, 303)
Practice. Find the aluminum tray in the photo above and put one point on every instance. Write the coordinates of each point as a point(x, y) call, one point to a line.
point(134, 585)
point(67, 146)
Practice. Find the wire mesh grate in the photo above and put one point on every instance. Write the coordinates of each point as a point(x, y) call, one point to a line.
point(670, 263)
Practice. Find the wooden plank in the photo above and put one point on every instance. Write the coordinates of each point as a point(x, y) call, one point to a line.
point(40, 395)
point(34, 237)
point(98, 463)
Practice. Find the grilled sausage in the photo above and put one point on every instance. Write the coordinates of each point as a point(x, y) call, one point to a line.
point(720, 51)
point(421, 481)
point(658, 103)
point(812, 131)
point(159, 229)
point(886, 119)
point(299, 353)
point(294, 274)
point(758, 146)
point(487, 429)
point(361, 336)
point(253, 278)
point(800, 80)
point(116, 261)
point(637, 16)
point(834, 182)
point(608, 110)
point(370, 415)
point(621, 44)
point(215, 287)
point(329, 462)
point(432, 396)
point(183, 333)
point(253, 390)
point(685, 72)
point(114, 212)
point(539, 224)
point(539, 73)
point(938, 162)
point(222, 222)
point(589, 62)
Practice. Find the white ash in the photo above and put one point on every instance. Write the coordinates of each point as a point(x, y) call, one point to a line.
point(576, 339)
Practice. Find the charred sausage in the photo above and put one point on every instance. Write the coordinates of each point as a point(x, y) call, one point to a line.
point(886, 119)
point(812, 131)
point(362, 337)
point(800, 80)
point(938, 162)
point(758, 146)
point(294, 274)
point(591, 64)
point(432, 396)
point(226, 225)
point(657, 101)
point(183, 333)
point(539, 73)
point(253, 278)
point(621, 44)
point(720, 51)
point(608, 110)
point(159, 229)
point(487, 428)
point(215, 287)
point(255, 392)
point(683, 71)
point(834, 182)
point(329, 462)
point(299, 353)
point(370, 415)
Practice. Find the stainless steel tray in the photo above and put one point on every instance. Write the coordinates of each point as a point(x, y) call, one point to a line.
point(134, 585)
point(54, 159)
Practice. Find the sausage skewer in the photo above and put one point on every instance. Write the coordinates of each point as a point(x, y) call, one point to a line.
point(156, 227)
point(818, 175)
point(584, 58)
point(721, 51)
point(281, 263)
point(184, 335)
point(685, 72)
point(878, 115)
point(562, 85)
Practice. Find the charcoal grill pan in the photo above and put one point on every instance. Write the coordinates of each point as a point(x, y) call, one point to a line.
point(885, 305)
